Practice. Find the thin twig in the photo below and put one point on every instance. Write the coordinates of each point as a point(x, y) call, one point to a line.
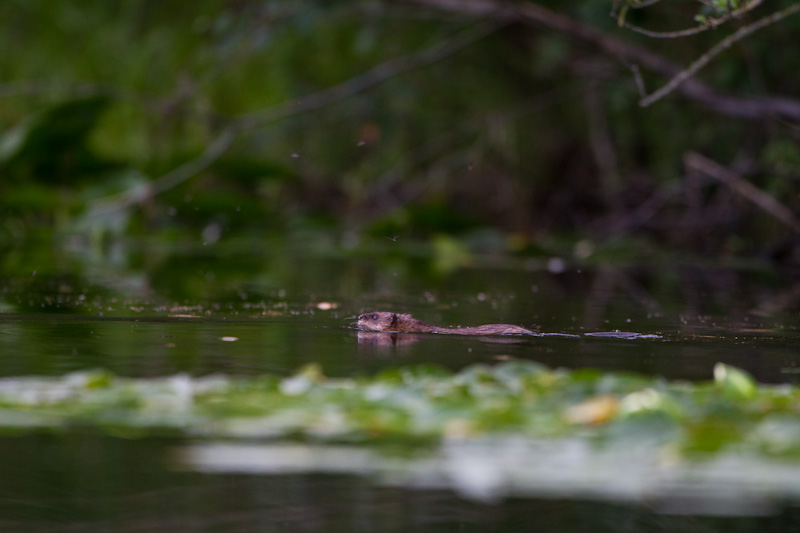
point(637, 78)
point(744, 188)
point(130, 197)
point(700, 62)
point(711, 23)
point(248, 121)
point(628, 53)
point(375, 76)
point(643, 3)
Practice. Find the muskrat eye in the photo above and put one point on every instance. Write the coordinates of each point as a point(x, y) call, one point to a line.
point(374, 316)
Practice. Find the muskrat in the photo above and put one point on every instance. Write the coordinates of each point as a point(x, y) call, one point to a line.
point(405, 323)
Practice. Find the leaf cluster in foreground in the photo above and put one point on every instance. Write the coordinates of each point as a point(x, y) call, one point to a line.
point(421, 404)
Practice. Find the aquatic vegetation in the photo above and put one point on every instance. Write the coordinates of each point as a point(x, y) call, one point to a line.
point(487, 432)
point(422, 404)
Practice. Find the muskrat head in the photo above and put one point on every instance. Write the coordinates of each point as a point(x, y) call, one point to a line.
point(378, 321)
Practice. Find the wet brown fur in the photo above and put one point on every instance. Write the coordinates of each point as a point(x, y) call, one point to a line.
point(405, 323)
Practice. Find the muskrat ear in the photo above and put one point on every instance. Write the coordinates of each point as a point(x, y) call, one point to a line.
point(394, 319)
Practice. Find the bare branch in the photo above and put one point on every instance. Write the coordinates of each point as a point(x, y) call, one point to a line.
point(303, 104)
point(710, 23)
point(375, 76)
point(643, 3)
point(134, 196)
point(628, 53)
point(637, 78)
point(703, 60)
point(744, 188)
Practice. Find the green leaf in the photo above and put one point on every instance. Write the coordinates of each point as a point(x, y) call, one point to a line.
point(734, 381)
point(52, 145)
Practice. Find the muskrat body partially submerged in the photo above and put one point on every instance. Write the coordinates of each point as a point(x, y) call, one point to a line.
point(405, 323)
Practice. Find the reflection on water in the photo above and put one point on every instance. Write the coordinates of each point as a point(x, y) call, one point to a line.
point(85, 483)
point(385, 340)
point(490, 470)
point(270, 308)
point(241, 344)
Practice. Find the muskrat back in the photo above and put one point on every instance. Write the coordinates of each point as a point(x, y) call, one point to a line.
point(405, 323)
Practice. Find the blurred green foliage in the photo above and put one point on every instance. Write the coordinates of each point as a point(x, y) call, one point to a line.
point(524, 130)
point(425, 403)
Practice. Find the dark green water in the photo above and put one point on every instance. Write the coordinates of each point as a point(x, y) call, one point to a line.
point(266, 308)
point(87, 483)
point(145, 346)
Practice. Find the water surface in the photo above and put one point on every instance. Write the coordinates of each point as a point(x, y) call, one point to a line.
point(148, 311)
